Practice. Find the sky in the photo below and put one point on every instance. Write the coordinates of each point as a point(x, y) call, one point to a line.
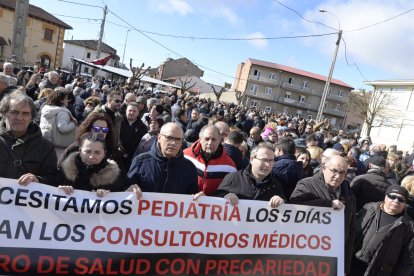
point(217, 35)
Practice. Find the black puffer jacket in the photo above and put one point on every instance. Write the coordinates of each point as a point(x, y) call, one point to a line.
point(395, 254)
point(244, 185)
point(369, 187)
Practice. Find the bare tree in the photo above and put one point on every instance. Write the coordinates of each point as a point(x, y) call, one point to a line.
point(218, 93)
point(375, 108)
point(240, 96)
point(186, 85)
point(137, 74)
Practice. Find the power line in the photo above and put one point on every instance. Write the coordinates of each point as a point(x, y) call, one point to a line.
point(301, 16)
point(81, 4)
point(353, 63)
point(86, 18)
point(383, 21)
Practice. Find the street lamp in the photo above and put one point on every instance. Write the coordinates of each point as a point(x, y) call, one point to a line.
point(126, 39)
point(328, 81)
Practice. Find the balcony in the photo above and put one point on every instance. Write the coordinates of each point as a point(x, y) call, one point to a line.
point(300, 88)
point(336, 98)
point(263, 79)
point(332, 111)
point(292, 102)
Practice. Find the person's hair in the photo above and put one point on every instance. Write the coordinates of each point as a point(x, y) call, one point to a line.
point(355, 152)
point(287, 145)
point(32, 80)
point(95, 101)
point(92, 137)
point(19, 97)
point(134, 104)
point(56, 97)
point(44, 93)
point(392, 156)
point(300, 151)
point(263, 145)
point(180, 113)
point(217, 130)
point(52, 73)
point(408, 183)
point(195, 109)
point(113, 94)
point(235, 137)
point(87, 124)
point(315, 152)
point(311, 138)
point(159, 108)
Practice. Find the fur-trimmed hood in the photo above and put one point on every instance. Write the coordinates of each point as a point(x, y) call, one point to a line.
point(106, 176)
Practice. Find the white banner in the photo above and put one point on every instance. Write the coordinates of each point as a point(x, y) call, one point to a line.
point(42, 230)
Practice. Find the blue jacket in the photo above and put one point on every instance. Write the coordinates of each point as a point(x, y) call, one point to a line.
point(288, 171)
point(156, 173)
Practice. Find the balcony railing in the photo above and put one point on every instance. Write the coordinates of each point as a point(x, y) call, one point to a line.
point(336, 98)
point(292, 102)
point(300, 88)
point(263, 79)
point(334, 112)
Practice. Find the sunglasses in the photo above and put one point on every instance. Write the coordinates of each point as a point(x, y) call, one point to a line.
point(98, 129)
point(395, 197)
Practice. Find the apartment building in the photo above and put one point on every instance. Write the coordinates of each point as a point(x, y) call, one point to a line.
point(395, 124)
point(278, 88)
point(43, 45)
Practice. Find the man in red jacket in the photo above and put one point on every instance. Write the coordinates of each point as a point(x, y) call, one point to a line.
point(210, 159)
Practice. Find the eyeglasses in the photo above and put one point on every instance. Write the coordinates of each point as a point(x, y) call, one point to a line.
point(264, 160)
point(334, 171)
point(171, 139)
point(98, 129)
point(395, 197)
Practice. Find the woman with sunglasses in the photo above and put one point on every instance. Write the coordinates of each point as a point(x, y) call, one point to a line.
point(88, 169)
point(99, 123)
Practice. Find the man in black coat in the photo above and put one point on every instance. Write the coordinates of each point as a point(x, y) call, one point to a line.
point(255, 182)
point(132, 131)
point(231, 145)
point(384, 243)
point(370, 187)
point(328, 188)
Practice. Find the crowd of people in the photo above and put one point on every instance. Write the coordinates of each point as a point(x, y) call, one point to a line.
point(87, 134)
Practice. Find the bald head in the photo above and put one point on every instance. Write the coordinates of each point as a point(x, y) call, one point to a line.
point(224, 129)
point(328, 153)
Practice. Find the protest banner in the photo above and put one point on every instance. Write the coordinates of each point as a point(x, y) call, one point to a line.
point(44, 231)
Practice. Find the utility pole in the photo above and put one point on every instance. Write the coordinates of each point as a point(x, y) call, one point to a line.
point(98, 50)
point(19, 32)
point(328, 81)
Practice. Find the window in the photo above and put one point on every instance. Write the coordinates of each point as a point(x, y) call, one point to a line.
point(291, 80)
point(272, 76)
point(330, 90)
point(302, 98)
point(88, 55)
point(253, 103)
point(268, 90)
point(48, 34)
point(86, 69)
point(268, 108)
point(299, 112)
point(305, 84)
point(288, 95)
point(338, 107)
point(254, 88)
point(341, 93)
point(256, 73)
point(286, 110)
